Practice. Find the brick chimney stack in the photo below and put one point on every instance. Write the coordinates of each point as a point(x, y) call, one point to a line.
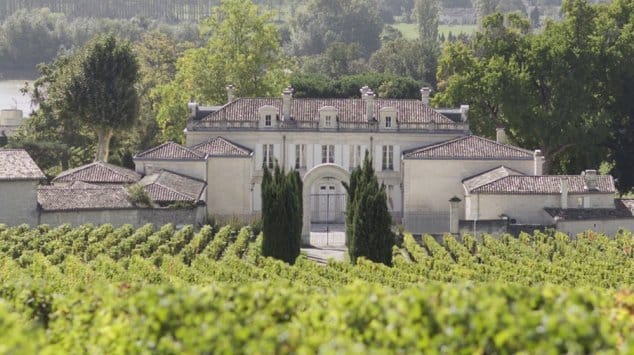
point(287, 97)
point(230, 93)
point(424, 94)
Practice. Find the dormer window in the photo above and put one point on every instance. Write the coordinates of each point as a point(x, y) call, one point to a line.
point(387, 118)
point(328, 117)
point(267, 115)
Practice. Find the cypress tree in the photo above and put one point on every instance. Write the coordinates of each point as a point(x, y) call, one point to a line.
point(281, 214)
point(368, 221)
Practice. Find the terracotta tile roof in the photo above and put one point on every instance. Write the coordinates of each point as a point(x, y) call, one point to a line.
point(166, 186)
point(170, 151)
point(220, 146)
point(623, 209)
point(99, 173)
point(16, 164)
point(348, 110)
point(469, 147)
point(545, 184)
point(67, 198)
point(488, 177)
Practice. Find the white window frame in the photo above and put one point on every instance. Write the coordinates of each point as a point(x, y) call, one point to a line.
point(267, 155)
point(388, 121)
point(268, 120)
point(388, 157)
point(327, 154)
point(328, 120)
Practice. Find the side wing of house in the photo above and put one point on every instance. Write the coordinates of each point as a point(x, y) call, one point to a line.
point(433, 174)
point(19, 177)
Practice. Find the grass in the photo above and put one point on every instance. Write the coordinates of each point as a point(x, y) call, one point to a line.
point(410, 30)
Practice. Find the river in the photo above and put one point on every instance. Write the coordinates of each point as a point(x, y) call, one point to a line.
point(11, 97)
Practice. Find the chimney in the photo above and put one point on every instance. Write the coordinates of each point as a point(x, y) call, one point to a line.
point(590, 179)
point(287, 96)
point(500, 135)
point(454, 215)
point(564, 193)
point(230, 93)
point(538, 163)
point(424, 94)
point(369, 105)
point(193, 109)
point(464, 113)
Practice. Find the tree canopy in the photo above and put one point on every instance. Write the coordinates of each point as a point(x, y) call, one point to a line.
point(542, 87)
point(99, 89)
point(242, 49)
point(324, 22)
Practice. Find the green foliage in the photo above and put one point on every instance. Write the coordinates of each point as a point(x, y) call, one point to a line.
point(387, 85)
point(403, 57)
point(186, 292)
point(138, 196)
point(32, 35)
point(242, 49)
point(535, 84)
point(426, 14)
point(281, 214)
point(99, 89)
point(324, 22)
point(368, 221)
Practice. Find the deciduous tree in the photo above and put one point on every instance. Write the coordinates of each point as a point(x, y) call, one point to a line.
point(99, 89)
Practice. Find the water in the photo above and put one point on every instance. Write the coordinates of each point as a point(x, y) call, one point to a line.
point(11, 97)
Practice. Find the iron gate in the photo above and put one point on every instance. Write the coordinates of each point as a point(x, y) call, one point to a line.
point(328, 208)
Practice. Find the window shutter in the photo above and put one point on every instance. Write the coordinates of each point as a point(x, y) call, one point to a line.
point(345, 152)
point(258, 156)
point(378, 157)
point(317, 154)
point(309, 156)
point(290, 155)
point(397, 158)
point(277, 153)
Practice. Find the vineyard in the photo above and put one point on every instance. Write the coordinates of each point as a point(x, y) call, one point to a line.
point(160, 290)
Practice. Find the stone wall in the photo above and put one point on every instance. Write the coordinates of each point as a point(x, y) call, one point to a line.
point(18, 202)
point(136, 217)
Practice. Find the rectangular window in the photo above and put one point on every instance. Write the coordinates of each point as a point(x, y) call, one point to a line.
point(328, 121)
point(267, 160)
point(388, 122)
point(388, 157)
point(267, 120)
point(300, 160)
point(327, 154)
point(355, 156)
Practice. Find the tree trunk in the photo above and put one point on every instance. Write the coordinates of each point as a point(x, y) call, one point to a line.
point(104, 134)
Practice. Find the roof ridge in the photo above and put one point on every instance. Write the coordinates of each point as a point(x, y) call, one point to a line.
point(179, 174)
point(172, 190)
point(146, 152)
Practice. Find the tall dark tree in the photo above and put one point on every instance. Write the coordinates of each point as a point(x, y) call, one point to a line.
point(368, 221)
point(99, 89)
point(281, 214)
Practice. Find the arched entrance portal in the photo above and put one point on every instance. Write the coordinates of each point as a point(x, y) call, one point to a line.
point(324, 172)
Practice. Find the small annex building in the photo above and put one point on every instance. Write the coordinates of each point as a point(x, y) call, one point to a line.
point(99, 193)
point(19, 178)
